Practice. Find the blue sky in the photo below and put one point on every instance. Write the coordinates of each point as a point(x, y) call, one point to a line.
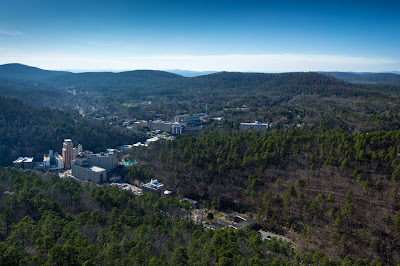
point(258, 36)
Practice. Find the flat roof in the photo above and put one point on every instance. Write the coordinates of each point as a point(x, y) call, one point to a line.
point(254, 124)
point(96, 169)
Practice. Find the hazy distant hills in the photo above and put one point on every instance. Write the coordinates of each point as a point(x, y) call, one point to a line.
point(110, 80)
point(65, 78)
point(91, 92)
point(152, 80)
point(366, 78)
point(61, 88)
point(188, 73)
point(23, 72)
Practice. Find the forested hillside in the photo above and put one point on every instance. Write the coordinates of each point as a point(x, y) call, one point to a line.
point(53, 221)
point(40, 94)
point(27, 73)
point(285, 99)
point(325, 189)
point(26, 130)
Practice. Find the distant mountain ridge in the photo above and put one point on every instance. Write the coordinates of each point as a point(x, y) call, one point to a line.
point(15, 71)
point(100, 93)
point(24, 72)
point(366, 78)
point(153, 82)
point(27, 73)
point(189, 73)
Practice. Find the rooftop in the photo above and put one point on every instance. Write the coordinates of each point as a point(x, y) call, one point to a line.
point(154, 184)
point(239, 220)
point(96, 168)
point(255, 123)
point(24, 159)
point(19, 160)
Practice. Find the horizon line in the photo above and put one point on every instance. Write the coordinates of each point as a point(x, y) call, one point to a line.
point(112, 70)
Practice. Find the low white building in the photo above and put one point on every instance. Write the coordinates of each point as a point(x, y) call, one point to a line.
point(151, 140)
point(154, 186)
point(254, 126)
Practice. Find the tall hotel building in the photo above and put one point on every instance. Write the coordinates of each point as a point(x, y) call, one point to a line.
point(68, 153)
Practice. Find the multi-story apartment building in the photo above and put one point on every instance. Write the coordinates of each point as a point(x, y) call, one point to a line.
point(68, 153)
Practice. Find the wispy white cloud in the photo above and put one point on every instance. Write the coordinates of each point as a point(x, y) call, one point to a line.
point(10, 32)
point(243, 62)
point(101, 43)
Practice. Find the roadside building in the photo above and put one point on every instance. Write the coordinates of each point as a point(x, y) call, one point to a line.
point(23, 163)
point(254, 126)
point(94, 167)
point(104, 160)
point(193, 119)
point(53, 161)
point(193, 128)
point(90, 173)
point(160, 125)
point(19, 163)
point(125, 147)
point(177, 129)
point(169, 127)
point(239, 221)
point(78, 149)
point(154, 187)
point(139, 125)
point(81, 169)
point(151, 140)
point(195, 203)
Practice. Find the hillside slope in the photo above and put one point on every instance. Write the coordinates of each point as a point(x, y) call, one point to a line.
point(26, 130)
point(328, 190)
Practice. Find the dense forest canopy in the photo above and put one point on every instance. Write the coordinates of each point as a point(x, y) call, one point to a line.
point(53, 221)
point(315, 185)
